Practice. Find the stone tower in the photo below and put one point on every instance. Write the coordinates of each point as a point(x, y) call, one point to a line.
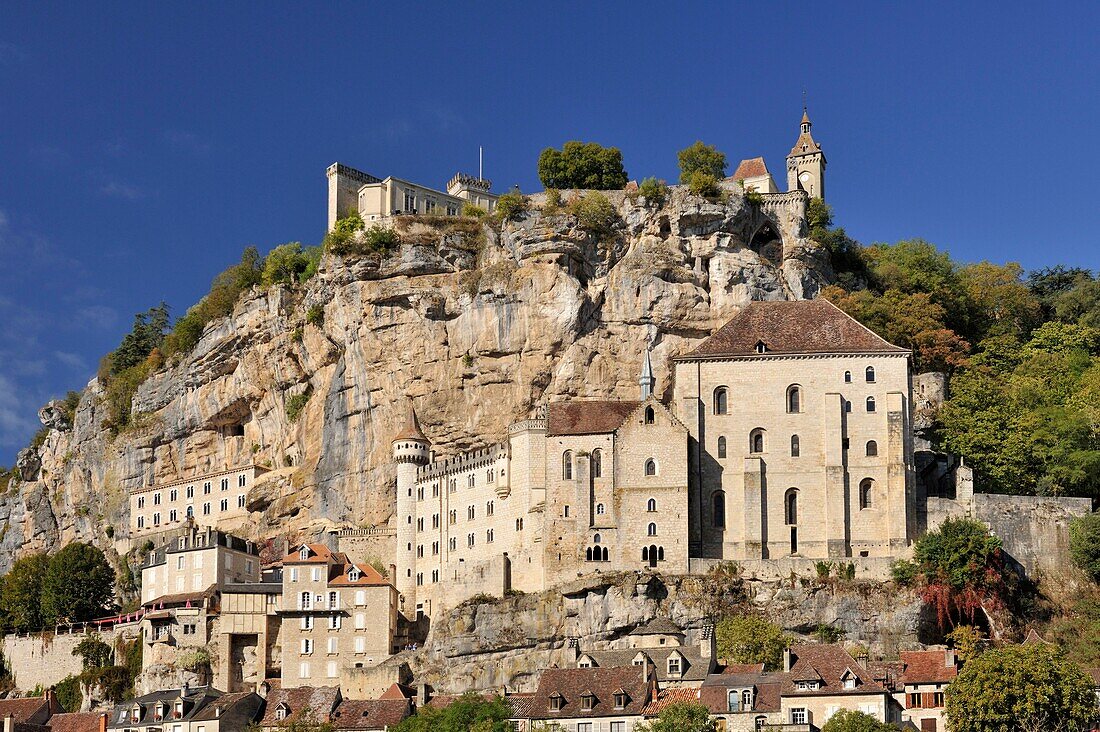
point(806, 163)
point(410, 451)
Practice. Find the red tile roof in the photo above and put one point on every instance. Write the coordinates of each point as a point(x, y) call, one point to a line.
point(573, 683)
point(371, 714)
point(588, 417)
point(75, 722)
point(521, 704)
point(743, 668)
point(751, 168)
point(411, 430)
point(398, 691)
point(31, 709)
point(671, 696)
point(827, 663)
point(368, 577)
point(308, 704)
point(924, 667)
point(317, 553)
point(792, 327)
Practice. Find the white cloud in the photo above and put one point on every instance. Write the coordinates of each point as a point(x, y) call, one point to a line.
point(97, 316)
point(73, 360)
point(125, 191)
point(15, 424)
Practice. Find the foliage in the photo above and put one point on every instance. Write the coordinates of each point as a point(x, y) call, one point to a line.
point(848, 720)
point(595, 214)
point(751, 639)
point(961, 570)
point(193, 659)
point(845, 253)
point(78, 585)
point(296, 403)
point(828, 633)
point(1077, 631)
point(315, 315)
point(68, 693)
point(474, 211)
point(680, 717)
point(93, 652)
point(225, 290)
point(701, 158)
point(704, 184)
point(1025, 687)
point(290, 264)
point(340, 240)
point(146, 334)
point(469, 713)
point(653, 191)
point(967, 641)
point(350, 239)
point(585, 165)
point(21, 593)
point(511, 206)
point(1084, 544)
point(903, 572)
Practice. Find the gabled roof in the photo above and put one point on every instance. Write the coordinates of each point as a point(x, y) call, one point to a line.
point(714, 692)
point(308, 704)
point(75, 722)
point(318, 554)
point(805, 144)
point(922, 667)
point(368, 577)
point(828, 663)
point(32, 709)
point(694, 668)
point(572, 683)
point(226, 702)
point(577, 417)
point(792, 327)
point(671, 696)
point(658, 626)
point(398, 691)
point(371, 714)
point(751, 168)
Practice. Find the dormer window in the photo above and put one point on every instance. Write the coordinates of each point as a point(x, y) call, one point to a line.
point(674, 665)
point(621, 699)
point(761, 347)
point(282, 711)
point(808, 685)
point(177, 710)
point(303, 553)
point(158, 713)
point(588, 702)
point(850, 683)
point(353, 574)
point(557, 703)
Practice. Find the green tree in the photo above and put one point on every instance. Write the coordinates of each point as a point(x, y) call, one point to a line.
point(586, 165)
point(751, 639)
point(146, 334)
point(93, 652)
point(847, 720)
point(967, 640)
point(701, 158)
point(1084, 544)
point(511, 205)
point(653, 191)
point(680, 717)
point(846, 254)
point(595, 214)
point(1030, 688)
point(290, 264)
point(469, 713)
point(78, 585)
point(21, 593)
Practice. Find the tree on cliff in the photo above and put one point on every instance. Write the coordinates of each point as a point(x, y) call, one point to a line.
point(751, 639)
point(587, 165)
point(847, 720)
point(701, 158)
point(21, 593)
point(680, 717)
point(78, 585)
point(1031, 688)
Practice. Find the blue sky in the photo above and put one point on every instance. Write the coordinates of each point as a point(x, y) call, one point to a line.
point(142, 146)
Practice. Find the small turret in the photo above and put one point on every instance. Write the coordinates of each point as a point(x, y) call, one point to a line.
point(410, 445)
point(410, 451)
point(647, 381)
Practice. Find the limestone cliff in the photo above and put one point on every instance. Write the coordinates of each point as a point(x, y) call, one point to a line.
point(475, 324)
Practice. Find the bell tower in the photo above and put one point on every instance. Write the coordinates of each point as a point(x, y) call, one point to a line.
point(806, 163)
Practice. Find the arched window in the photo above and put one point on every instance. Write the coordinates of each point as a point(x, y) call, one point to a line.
point(588, 554)
point(796, 447)
point(865, 487)
point(756, 440)
point(870, 373)
point(603, 554)
point(721, 447)
point(596, 539)
point(567, 465)
point(651, 530)
point(870, 404)
point(790, 504)
point(872, 448)
point(597, 463)
point(660, 554)
point(794, 398)
point(645, 553)
point(649, 415)
point(847, 377)
point(599, 512)
point(720, 397)
point(847, 406)
point(650, 467)
point(651, 505)
point(718, 502)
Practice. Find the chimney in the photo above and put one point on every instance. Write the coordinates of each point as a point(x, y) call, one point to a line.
point(184, 689)
point(707, 647)
point(950, 658)
point(9, 723)
point(51, 700)
point(788, 659)
point(422, 695)
point(103, 722)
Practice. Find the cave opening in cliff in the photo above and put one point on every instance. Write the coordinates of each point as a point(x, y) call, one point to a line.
point(767, 243)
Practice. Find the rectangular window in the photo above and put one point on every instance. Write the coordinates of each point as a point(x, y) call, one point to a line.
point(333, 600)
point(307, 622)
point(332, 669)
point(303, 670)
point(360, 645)
point(360, 621)
point(799, 716)
point(334, 622)
point(360, 597)
point(316, 574)
point(307, 646)
point(293, 574)
point(333, 644)
point(180, 562)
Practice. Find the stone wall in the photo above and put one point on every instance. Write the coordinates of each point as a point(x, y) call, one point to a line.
point(1034, 529)
point(45, 659)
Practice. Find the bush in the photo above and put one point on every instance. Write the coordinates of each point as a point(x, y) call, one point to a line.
point(289, 264)
point(511, 206)
point(903, 572)
point(351, 239)
point(653, 191)
point(225, 290)
point(585, 165)
point(193, 660)
point(1084, 544)
point(472, 209)
point(595, 214)
point(680, 717)
point(296, 403)
point(849, 720)
point(828, 633)
point(553, 201)
point(315, 315)
point(93, 652)
point(751, 639)
point(704, 184)
point(701, 158)
point(68, 693)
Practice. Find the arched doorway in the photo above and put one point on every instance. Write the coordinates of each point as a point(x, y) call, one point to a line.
point(767, 243)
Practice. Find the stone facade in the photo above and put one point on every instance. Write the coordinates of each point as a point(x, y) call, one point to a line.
point(215, 499)
point(197, 560)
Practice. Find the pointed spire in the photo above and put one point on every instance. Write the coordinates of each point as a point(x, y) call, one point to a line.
point(412, 430)
point(806, 116)
point(647, 381)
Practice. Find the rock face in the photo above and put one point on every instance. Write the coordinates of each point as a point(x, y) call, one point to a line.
point(503, 643)
point(475, 324)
